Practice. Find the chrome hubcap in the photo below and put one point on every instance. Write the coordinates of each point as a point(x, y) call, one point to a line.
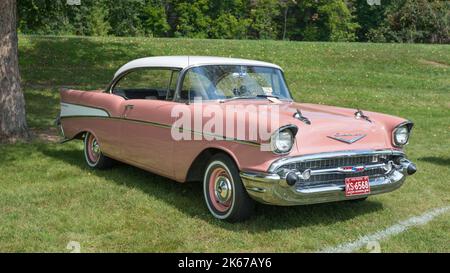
point(223, 189)
point(95, 147)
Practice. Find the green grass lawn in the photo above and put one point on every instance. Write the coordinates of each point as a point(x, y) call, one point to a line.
point(48, 196)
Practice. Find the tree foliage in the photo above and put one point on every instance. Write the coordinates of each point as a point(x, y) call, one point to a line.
point(193, 19)
point(155, 19)
point(311, 20)
point(262, 15)
point(327, 21)
point(414, 21)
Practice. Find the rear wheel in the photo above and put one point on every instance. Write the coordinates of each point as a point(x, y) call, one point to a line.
point(224, 192)
point(93, 155)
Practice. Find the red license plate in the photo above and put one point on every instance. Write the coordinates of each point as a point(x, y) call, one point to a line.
point(357, 185)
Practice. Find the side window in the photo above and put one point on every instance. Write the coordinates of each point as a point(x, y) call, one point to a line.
point(146, 83)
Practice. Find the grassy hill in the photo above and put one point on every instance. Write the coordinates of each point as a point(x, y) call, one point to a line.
point(48, 196)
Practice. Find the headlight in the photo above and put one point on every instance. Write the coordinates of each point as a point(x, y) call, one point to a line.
point(401, 134)
point(282, 141)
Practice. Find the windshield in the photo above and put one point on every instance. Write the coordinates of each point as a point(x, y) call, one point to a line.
point(222, 82)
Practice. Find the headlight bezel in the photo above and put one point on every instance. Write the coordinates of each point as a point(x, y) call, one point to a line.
point(292, 130)
point(408, 125)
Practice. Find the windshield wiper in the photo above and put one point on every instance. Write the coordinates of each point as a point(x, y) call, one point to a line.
point(250, 97)
point(237, 98)
point(267, 96)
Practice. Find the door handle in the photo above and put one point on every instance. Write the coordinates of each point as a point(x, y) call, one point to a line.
point(127, 107)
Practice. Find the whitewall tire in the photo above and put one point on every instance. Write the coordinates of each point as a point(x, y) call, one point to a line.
point(224, 193)
point(93, 154)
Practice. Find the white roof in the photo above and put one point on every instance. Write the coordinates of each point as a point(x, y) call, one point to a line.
point(186, 61)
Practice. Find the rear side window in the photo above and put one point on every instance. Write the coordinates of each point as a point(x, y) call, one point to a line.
point(147, 83)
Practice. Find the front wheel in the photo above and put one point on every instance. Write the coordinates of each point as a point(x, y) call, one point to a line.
point(93, 155)
point(224, 192)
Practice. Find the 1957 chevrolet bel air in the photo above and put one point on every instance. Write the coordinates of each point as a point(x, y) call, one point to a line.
point(232, 124)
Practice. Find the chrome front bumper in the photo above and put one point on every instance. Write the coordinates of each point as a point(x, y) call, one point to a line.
point(272, 188)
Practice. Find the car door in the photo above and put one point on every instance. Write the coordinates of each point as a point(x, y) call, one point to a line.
point(146, 119)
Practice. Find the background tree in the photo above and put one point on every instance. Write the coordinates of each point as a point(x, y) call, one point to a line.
point(125, 17)
point(414, 21)
point(321, 20)
point(155, 19)
point(193, 19)
point(263, 14)
point(285, 4)
point(46, 17)
point(228, 26)
point(424, 21)
point(230, 19)
point(369, 17)
point(97, 24)
point(13, 124)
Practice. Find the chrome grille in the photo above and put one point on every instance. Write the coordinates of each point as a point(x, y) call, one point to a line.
point(336, 162)
point(338, 178)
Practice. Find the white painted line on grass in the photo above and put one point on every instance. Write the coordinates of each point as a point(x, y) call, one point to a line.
point(383, 234)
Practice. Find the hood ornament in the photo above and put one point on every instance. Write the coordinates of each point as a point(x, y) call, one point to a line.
point(359, 114)
point(347, 138)
point(298, 115)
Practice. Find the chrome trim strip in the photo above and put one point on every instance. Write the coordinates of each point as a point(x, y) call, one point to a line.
point(256, 189)
point(168, 126)
point(260, 177)
point(294, 159)
point(341, 170)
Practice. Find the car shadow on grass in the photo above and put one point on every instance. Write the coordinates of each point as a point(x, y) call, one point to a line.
point(442, 161)
point(188, 198)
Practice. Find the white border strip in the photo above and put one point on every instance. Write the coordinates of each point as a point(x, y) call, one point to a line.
point(383, 234)
point(69, 109)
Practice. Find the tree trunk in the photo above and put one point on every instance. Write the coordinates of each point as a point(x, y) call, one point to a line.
point(285, 21)
point(13, 124)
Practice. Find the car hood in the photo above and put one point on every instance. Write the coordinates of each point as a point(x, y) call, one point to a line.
point(332, 128)
point(337, 130)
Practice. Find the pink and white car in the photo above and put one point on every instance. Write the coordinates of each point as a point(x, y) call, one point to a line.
point(232, 124)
